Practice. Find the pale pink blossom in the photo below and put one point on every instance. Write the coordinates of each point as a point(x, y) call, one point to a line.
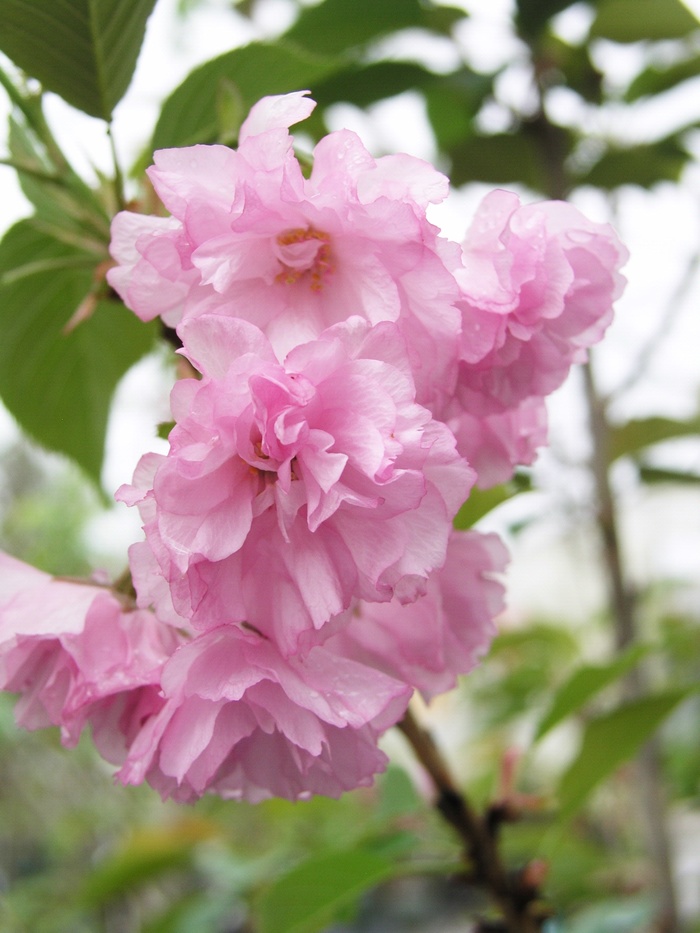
point(291, 489)
point(538, 283)
point(76, 654)
point(148, 574)
point(252, 238)
point(428, 643)
point(242, 721)
point(495, 444)
point(154, 275)
point(299, 575)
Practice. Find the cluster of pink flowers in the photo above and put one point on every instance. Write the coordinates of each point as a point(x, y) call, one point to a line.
point(356, 375)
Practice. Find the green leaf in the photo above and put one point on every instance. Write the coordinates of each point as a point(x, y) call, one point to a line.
point(453, 101)
point(483, 501)
point(363, 85)
point(196, 911)
point(611, 739)
point(230, 112)
point(584, 684)
point(501, 159)
point(656, 475)
point(335, 26)
point(83, 50)
point(570, 65)
point(59, 385)
point(311, 896)
point(641, 20)
point(619, 915)
point(634, 436)
point(60, 210)
point(521, 665)
point(656, 80)
point(397, 794)
point(190, 115)
point(442, 19)
point(164, 428)
point(533, 15)
point(644, 165)
point(146, 854)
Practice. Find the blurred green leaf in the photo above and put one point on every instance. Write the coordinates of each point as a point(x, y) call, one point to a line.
point(190, 114)
point(483, 501)
point(584, 684)
point(654, 475)
point(199, 911)
point(397, 794)
point(517, 675)
point(538, 640)
point(640, 20)
point(533, 15)
point(453, 100)
point(45, 520)
point(441, 18)
point(230, 111)
point(636, 435)
point(561, 63)
point(574, 859)
point(364, 84)
point(643, 165)
point(656, 80)
point(336, 26)
point(147, 853)
point(313, 894)
point(611, 739)
point(619, 915)
point(164, 428)
point(83, 50)
point(59, 384)
point(504, 158)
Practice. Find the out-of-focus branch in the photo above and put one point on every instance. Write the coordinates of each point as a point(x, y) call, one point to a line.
point(623, 611)
point(516, 894)
point(621, 597)
point(640, 368)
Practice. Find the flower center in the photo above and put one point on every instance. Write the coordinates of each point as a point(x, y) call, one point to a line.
point(304, 252)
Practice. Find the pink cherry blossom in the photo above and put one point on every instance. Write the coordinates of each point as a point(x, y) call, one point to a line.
point(251, 237)
point(538, 284)
point(76, 654)
point(292, 488)
point(356, 375)
point(243, 721)
point(429, 642)
point(498, 442)
point(154, 276)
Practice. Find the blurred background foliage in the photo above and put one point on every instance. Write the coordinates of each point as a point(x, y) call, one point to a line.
point(583, 721)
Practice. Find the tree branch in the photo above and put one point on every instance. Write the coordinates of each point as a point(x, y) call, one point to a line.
point(515, 894)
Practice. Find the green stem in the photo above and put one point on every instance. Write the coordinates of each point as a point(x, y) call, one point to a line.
point(118, 174)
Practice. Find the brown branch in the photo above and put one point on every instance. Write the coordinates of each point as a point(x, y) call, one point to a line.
point(624, 615)
point(621, 597)
point(515, 894)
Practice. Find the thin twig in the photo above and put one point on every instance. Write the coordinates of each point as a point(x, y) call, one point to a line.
point(517, 899)
point(663, 330)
